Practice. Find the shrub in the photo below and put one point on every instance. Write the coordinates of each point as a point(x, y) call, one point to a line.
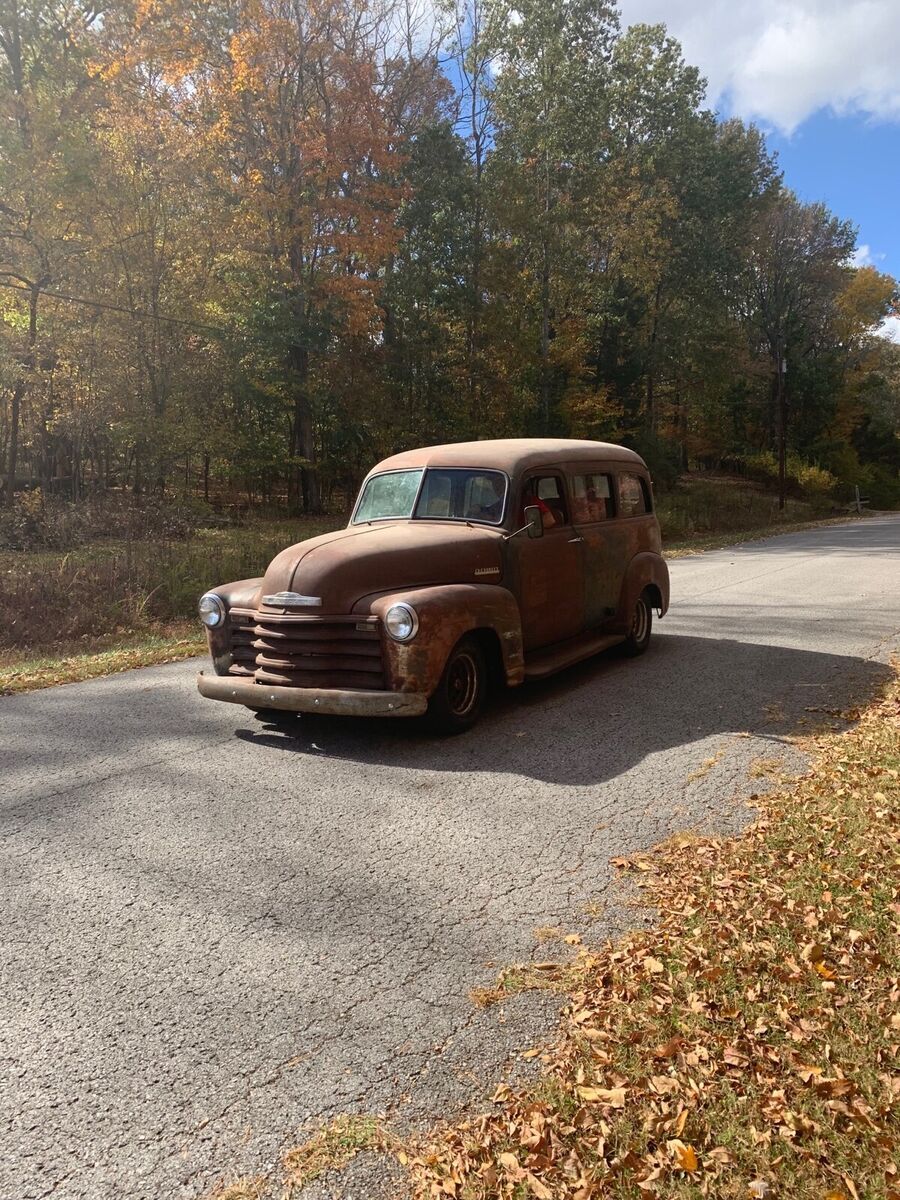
point(802, 478)
point(37, 522)
point(705, 507)
point(880, 485)
point(130, 584)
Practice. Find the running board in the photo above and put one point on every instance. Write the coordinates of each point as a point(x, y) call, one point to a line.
point(565, 654)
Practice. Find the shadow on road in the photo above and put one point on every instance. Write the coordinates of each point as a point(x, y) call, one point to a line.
point(600, 719)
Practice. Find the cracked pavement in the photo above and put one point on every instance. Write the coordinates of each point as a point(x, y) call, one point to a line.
point(216, 931)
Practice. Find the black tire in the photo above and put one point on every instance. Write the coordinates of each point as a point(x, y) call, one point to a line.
point(460, 695)
point(641, 626)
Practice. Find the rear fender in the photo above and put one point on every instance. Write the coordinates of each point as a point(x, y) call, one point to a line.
point(646, 569)
point(445, 615)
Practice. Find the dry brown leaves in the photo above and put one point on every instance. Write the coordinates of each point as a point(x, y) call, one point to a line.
point(746, 1046)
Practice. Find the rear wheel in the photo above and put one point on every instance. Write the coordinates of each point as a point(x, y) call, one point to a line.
point(641, 626)
point(459, 697)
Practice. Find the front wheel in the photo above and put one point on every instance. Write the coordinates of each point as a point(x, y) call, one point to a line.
point(460, 695)
point(641, 626)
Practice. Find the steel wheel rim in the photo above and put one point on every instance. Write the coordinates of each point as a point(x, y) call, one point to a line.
point(462, 684)
point(641, 620)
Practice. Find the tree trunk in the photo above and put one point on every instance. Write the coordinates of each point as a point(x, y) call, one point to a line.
point(303, 483)
point(651, 364)
point(545, 338)
point(782, 432)
point(681, 404)
point(19, 390)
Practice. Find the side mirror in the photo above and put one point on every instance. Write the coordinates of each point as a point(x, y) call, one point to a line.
point(535, 521)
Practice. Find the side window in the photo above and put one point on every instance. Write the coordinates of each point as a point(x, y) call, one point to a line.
point(546, 491)
point(592, 498)
point(634, 495)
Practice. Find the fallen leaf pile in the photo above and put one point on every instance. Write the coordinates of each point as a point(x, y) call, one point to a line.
point(749, 1044)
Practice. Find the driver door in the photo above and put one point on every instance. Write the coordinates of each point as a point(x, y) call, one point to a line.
point(550, 568)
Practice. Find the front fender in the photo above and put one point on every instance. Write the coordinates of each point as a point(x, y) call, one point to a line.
point(445, 615)
point(243, 593)
point(647, 569)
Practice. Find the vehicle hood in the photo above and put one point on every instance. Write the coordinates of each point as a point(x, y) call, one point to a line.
point(344, 567)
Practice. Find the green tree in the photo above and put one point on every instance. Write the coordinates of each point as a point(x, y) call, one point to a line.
point(795, 272)
point(552, 114)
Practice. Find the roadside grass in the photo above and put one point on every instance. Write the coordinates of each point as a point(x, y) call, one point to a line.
point(26, 671)
point(700, 507)
point(114, 586)
point(746, 1046)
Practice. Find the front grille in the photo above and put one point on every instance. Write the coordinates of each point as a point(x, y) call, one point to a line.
point(243, 655)
point(320, 652)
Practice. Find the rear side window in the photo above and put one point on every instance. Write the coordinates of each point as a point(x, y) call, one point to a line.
point(634, 495)
point(592, 498)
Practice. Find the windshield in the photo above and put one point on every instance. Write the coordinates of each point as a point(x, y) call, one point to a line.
point(447, 493)
point(389, 495)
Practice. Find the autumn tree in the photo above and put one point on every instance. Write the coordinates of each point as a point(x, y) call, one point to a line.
point(46, 93)
point(248, 246)
point(315, 162)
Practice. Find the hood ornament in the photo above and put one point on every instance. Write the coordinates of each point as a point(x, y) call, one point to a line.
point(292, 600)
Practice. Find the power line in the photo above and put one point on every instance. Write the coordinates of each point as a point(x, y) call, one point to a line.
point(117, 308)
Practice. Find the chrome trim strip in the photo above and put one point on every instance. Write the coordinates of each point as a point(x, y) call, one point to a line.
point(292, 600)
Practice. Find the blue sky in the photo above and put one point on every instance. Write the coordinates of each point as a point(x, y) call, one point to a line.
point(822, 79)
point(853, 164)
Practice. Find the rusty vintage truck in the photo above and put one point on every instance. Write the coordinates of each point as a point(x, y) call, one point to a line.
point(461, 564)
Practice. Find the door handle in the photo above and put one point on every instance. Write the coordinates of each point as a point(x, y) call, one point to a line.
point(575, 539)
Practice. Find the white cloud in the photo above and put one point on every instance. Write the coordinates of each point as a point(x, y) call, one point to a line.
point(779, 61)
point(890, 329)
point(863, 256)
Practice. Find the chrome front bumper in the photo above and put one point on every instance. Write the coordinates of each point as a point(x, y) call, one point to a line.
point(338, 702)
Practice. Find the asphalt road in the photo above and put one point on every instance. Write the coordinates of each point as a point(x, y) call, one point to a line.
point(214, 931)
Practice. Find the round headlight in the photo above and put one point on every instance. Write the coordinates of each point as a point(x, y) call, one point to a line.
point(401, 622)
point(211, 610)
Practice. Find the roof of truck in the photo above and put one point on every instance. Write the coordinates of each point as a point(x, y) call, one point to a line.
point(510, 454)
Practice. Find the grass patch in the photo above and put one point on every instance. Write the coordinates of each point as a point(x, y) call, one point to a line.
point(527, 977)
point(331, 1148)
point(705, 767)
point(749, 1045)
point(48, 598)
point(27, 671)
point(241, 1189)
point(718, 506)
